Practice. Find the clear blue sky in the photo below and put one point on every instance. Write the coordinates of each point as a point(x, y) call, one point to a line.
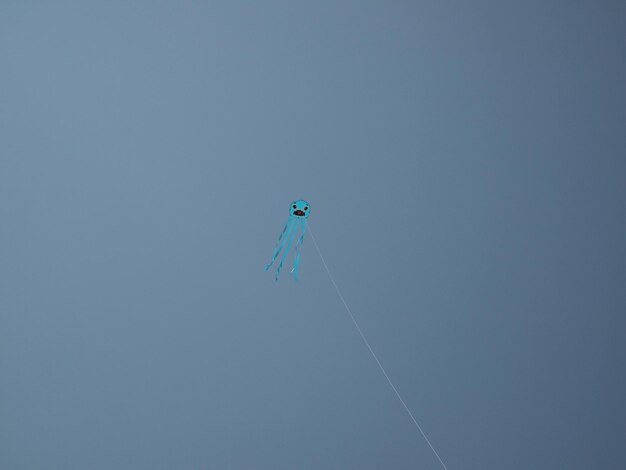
point(465, 166)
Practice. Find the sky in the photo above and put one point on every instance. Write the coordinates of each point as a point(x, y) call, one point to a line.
point(465, 166)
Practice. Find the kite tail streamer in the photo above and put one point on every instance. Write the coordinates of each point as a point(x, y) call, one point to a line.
point(289, 239)
point(406, 408)
point(296, 263)
point(281, 242)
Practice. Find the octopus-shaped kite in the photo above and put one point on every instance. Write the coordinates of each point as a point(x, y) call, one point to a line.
point(298, 213)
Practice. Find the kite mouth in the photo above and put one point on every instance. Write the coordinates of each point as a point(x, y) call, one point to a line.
point(298, 213)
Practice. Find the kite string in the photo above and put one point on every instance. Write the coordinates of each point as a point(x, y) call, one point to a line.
point(364, 338)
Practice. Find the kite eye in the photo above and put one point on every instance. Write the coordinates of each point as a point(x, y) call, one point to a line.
point(294, 206)
point(306, 208)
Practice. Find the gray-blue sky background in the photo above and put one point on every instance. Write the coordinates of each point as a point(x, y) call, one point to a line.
point(465, 166)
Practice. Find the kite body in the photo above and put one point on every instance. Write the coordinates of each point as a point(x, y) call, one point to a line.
point(298, 213)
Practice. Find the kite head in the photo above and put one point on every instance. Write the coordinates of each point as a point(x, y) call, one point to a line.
point(300, 209)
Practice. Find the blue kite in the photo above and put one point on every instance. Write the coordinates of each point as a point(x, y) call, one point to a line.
point(299, 211)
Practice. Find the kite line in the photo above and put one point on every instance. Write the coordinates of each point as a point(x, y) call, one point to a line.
point(364, 338)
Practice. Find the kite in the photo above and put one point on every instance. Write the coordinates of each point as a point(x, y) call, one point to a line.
point(298, 213)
